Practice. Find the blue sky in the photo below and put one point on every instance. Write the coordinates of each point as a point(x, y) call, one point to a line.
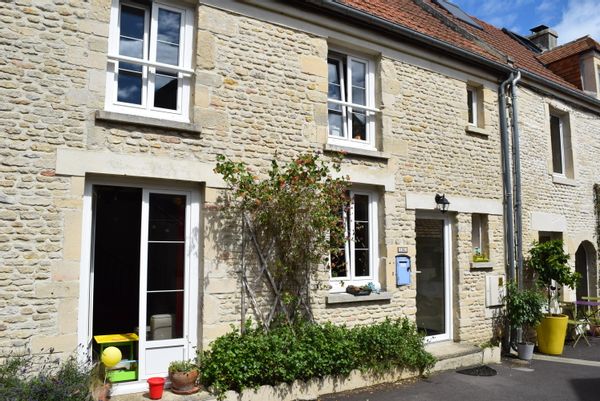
point(570, 18)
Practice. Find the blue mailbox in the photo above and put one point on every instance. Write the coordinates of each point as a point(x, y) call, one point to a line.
point(402, 270)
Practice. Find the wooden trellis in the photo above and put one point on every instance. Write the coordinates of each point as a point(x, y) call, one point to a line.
point(265, 274)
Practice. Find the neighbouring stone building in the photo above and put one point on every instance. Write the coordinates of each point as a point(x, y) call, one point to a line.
point(115, 112)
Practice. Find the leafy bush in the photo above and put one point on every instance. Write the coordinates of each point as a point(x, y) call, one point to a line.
point(306, 351)
point(550, 262)
point(523, 307)
point(20, 380)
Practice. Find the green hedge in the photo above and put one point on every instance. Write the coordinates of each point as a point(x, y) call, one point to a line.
point(305, 351)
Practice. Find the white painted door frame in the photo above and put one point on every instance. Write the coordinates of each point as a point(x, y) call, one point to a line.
point(192, 252)
point(448, 310)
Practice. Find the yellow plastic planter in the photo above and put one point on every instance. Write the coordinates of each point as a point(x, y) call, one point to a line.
point(551, 334)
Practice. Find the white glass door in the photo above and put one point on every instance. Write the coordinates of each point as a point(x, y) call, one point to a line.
point(433, 261)
point(164, 280)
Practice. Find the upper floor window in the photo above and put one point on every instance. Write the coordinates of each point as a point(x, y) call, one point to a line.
point(560, 139)
point(356, 262)
point(472, 99)
point(149, 59)
point(351, 98)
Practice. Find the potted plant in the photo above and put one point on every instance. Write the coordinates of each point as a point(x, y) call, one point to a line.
point(550, 265)
point(183, 376)
point(524, 310)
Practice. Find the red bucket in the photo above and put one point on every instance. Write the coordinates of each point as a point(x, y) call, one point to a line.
point(156, 385)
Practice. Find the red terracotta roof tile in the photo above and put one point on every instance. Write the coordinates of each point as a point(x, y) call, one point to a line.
point(568, 49)
point(427, 17)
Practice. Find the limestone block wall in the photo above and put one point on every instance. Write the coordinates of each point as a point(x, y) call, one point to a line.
point(47, 55)
point(571, 202)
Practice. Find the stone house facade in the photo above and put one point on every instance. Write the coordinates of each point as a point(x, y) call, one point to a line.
point(116, 112)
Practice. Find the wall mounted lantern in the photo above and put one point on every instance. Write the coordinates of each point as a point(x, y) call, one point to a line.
point(442, 203)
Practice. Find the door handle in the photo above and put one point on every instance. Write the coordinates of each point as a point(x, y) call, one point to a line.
point(418, 271)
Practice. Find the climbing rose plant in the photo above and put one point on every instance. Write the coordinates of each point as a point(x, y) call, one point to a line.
point(294, 214)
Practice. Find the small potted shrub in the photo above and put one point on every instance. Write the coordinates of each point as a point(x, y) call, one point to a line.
point(524, 310)
point(550, 265)
point(183, 376)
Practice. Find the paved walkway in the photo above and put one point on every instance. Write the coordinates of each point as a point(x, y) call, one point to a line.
point(575, 375)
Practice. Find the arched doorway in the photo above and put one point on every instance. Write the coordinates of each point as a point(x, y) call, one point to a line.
point(585, 264)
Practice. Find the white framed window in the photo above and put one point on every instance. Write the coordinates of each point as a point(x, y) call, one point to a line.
point(150, 59)
point(480, 237)
point(356, 262)
point(558, 144)
point(351, 100)
point(472, 105)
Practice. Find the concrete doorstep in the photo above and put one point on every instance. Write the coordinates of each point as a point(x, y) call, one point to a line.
point(450, 355)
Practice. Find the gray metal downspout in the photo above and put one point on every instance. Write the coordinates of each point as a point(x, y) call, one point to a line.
point(508, 199)
point(506, 180)
point(517, 176)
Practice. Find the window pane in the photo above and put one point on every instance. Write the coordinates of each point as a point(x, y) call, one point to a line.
point(165, 266)
point(470, 104)
point(165, 315)
point(166, 217)
point(129, 87)
point(361, 207)
point(131, 47)
point(359, 71)
point(338, 264)
point(361, 262)
point(359, 96)
point(334, 92)
point(359, 126)
point(334, 88)
point(165, 91)
point(132, 22)
point(167, 53)
point(557, 150)
point(361, 235)
point(130, 67)
point(336, 124)
point(169, 24)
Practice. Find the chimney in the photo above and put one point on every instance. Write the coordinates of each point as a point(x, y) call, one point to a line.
point(543, 37)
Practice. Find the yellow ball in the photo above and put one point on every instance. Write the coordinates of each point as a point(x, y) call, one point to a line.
point(111, 356)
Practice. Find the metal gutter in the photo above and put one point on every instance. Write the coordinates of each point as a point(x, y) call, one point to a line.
point(516, 152)
point(506, 180)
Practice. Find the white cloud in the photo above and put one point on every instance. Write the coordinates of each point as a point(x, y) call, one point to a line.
point(579, 18)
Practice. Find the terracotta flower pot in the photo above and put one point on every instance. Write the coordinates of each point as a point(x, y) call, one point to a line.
point(184, 382)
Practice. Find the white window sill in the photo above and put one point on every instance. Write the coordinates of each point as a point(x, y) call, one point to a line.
point(482, 265)
point(350, 150)
point(471, 129)
point(343, 298)
point(111, 116)
point(561, 179)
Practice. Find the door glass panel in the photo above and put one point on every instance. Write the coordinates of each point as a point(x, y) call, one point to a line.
point(167, 217)
point(166, 266)
point(431, 296)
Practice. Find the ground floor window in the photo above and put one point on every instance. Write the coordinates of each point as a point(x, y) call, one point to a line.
point(356, 262)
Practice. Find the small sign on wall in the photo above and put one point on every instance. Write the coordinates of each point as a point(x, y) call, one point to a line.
point(494, 290)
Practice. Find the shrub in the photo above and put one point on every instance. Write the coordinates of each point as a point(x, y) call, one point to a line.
point(20, 380)
point(306, 351)
point(523, 307)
